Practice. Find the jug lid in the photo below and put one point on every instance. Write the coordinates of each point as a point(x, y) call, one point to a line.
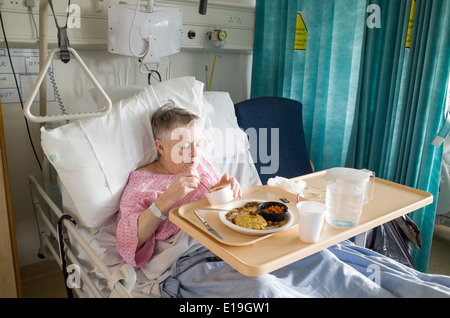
point(348, 175)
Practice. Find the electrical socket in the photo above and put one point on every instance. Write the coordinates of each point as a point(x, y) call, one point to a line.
point(235, 19)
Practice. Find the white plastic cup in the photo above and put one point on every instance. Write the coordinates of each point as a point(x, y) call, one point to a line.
point(310, 215)
point(220, 195)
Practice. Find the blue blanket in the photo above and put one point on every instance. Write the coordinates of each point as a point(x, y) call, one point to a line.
point(343, 270)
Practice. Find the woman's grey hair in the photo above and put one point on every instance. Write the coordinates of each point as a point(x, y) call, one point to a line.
point(168, 117)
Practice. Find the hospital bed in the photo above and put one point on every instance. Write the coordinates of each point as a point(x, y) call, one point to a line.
point(87, 163)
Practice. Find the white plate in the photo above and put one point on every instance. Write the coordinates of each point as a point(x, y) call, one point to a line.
point(237, 228)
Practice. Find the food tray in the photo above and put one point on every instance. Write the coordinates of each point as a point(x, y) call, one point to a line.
point(230, 236)
point(390, 200)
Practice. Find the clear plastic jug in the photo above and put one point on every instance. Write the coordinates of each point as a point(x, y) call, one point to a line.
point(347, 191)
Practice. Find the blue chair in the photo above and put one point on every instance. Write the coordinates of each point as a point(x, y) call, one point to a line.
point(274, 126)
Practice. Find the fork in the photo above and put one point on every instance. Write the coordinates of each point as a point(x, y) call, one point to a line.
point(200, 182)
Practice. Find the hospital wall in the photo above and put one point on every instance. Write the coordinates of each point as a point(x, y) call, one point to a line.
point(232, 73)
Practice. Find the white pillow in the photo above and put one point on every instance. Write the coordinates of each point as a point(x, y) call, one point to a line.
point(224, 140)
point(71, 154)
point(94, 156)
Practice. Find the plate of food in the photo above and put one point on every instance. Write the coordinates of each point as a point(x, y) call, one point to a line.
point(244, 216)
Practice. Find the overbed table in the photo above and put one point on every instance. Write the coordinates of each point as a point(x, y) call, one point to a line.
point(255, 255)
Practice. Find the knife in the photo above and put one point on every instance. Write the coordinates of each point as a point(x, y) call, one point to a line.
point(208, 226)
point(214, 209)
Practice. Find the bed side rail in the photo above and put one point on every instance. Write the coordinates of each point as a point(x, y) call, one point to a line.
point(119, 283)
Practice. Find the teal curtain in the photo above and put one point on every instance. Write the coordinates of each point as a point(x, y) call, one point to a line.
point(325, 74)
point(368, 101)
point(401, 103)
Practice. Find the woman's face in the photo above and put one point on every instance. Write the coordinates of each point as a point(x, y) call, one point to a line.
point(181, 147)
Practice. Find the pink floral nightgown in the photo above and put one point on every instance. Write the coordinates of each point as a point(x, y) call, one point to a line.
point(142, 189)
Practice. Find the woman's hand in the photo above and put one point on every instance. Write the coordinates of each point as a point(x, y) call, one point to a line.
point(235, 186)
point(184, 183)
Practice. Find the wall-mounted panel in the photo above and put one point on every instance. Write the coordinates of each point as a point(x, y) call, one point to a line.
point(89, 21)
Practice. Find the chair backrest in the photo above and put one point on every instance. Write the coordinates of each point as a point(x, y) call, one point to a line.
point(274, 126)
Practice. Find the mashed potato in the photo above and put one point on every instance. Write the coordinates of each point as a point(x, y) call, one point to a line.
point(250, 220)
point(247, 216)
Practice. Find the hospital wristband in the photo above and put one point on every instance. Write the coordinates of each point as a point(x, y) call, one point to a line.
point(157, 212)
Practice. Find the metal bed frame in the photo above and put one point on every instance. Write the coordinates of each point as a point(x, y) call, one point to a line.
point(54, 227)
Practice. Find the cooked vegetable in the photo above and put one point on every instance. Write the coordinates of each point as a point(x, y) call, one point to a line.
point(274, 209)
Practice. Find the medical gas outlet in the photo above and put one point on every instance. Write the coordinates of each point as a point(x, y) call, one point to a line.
point(217, 35)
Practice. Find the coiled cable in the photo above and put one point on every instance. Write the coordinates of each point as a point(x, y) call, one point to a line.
point(56, 91)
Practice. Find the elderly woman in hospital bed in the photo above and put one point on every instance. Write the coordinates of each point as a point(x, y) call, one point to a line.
point(170, 181)
point(167, 262)
point(145, 235)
